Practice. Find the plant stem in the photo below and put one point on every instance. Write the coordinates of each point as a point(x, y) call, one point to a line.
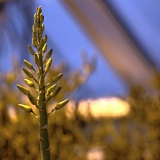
point(43, 117)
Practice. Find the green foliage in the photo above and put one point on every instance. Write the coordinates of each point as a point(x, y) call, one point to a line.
point(19, 134)
point(134, 136)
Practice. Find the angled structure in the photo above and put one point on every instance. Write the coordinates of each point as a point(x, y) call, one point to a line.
point(110, 37)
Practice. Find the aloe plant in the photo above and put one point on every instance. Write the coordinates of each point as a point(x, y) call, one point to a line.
point(37, 82)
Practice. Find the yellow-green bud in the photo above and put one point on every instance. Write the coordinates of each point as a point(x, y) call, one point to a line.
point(28, 64)
point(26, 108)
point(33, 28)
point(61, 104)
point(48, 65)
point(29, 83)
point(56, 78)
point(31, 50)
point(28, 73)
point(35, 16)
point(34, 43)
point(36, 58)
point(45, 38)
point(23, 89)
point(51, 89)
point(34, 35)
point(55, 92)
point(41, 17)
point(42, 28)
point(44, 48)
point(48, 55)
point(32, 99)
point(47, 68)
point(49, 62)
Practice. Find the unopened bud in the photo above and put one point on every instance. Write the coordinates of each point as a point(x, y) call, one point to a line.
point(44, 48)
point(61, 104)
point(56, 78)
point(51, 89)
point(26, 108)
point(32, 99)
point(31, 50)
point(28, 64)
point(55, 92)
point(48, 55)
point(28, 73)
point(36, 59)
point(34, 43)
point(29, 83)
point(45, 38)
point(23, 89)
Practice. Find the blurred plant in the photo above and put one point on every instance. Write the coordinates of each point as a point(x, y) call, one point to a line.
point(72, 135)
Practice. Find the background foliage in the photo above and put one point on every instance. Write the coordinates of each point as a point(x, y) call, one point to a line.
point(135, 136)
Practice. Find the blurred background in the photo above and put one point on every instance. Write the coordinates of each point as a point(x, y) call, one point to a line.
point(108, 51)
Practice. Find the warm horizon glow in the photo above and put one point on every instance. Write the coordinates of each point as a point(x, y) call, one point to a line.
point(103, 107)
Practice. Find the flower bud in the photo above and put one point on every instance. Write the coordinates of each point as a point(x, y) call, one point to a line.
point(31, 50)
point(45, 38)
point(34, 43)
point(28, 73)
point(44, 48)
point(32, 99)
point(49, 62)
point(55, 92)
point(51, 89)
point(61, 104)
point(33, 28)
point(23, 89)
point(41, 18)
point(48, 55)
point(28, 64)
point(56, 78)
point(26, 108)
point(29, 83)
point(36, 59)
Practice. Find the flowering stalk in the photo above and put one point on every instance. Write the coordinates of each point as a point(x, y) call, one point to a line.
point(45, 92)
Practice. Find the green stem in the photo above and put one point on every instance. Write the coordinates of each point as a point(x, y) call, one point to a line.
point(43, 117)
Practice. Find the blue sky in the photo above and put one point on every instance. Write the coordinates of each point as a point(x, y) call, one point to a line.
point(69, 39)
point(142, 17)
